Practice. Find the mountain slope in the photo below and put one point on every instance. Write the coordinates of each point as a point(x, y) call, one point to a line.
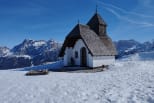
point(41, 51)
point(127, 47)
point(29, 52)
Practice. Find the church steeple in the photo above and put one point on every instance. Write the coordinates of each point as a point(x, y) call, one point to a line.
point(96, 8)
point(97, 24)
point(78, 21)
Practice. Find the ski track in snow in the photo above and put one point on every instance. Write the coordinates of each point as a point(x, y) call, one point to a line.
point(124, 82)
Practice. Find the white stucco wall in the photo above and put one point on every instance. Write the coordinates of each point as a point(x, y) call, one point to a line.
point(67, 56)
point(70, 52)
point(92, 61)
point(77, 47)
point(103, 60)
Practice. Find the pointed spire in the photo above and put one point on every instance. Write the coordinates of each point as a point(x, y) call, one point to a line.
point(96, 8)
point(78, 21)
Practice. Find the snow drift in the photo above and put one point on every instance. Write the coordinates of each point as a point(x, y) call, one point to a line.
point(124, 82)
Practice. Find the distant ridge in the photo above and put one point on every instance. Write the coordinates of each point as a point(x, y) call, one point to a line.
point(127, 47)
point(28, 53)
point(38, 52)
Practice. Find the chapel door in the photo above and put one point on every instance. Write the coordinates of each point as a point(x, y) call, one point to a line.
point(83, 57)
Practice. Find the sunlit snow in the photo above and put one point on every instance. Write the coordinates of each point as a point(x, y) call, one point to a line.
point(123, 82)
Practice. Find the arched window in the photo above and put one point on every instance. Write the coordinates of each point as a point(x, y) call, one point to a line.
point(76, 54)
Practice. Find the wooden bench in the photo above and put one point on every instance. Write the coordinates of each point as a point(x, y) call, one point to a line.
point(37, 72)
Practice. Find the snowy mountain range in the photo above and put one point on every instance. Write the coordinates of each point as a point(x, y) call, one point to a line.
point(28, 53)
point(37, 52)
point(127, 47)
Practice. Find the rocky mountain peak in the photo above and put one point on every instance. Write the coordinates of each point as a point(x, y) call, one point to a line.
point(4, 51)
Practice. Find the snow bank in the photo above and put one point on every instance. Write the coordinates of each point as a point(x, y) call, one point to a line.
point(124, 82)
point(50, 66)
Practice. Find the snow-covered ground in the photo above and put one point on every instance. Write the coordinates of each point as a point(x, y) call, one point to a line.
point(124, 82)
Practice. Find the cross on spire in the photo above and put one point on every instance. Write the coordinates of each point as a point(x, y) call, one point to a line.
point(96, 8)
point(78, 21)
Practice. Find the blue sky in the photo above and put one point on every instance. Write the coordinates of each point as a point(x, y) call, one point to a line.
point(46, 19)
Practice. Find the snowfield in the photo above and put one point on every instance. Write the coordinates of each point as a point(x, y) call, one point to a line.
point(123, 82)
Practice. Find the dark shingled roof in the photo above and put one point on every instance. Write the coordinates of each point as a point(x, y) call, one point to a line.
point(98, 25)
point(107, 41)
point(97, 45)
point(96, 19)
